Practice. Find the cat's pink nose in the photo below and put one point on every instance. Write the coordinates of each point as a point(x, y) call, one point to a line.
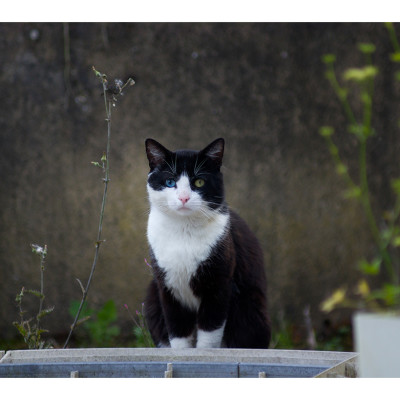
point(184, 199)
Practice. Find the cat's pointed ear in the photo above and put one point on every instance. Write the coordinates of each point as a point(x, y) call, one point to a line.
point(215, 151)
point(156, 153)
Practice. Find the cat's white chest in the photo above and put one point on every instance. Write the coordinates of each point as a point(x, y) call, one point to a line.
point(179, 246)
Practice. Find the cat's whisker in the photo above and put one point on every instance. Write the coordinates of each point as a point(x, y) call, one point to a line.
point(197, 168)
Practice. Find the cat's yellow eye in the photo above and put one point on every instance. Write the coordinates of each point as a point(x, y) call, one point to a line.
point(199, 183)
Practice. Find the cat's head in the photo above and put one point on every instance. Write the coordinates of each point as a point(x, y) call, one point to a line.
point(185, 182)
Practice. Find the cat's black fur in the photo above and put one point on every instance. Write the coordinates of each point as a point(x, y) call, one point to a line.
point(230, 283)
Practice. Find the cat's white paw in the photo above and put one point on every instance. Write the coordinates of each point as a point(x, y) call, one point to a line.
point(210, 339)
point(181, 343)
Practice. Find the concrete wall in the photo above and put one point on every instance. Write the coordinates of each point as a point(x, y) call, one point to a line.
point(260, 86)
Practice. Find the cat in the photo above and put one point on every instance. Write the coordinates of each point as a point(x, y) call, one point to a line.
point(209, 285)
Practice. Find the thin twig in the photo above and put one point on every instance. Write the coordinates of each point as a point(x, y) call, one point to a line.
point(42, 258)
point(108, 106)
point(109, 92)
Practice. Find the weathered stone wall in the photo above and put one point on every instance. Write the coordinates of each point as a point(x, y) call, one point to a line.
point(260, 86)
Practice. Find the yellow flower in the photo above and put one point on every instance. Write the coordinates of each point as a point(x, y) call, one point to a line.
point(363, 288)
point(330, 303)
point(361, 74)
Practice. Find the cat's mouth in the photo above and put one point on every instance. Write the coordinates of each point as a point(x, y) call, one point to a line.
point(184, 209)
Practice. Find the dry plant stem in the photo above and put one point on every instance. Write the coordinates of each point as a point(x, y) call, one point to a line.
point(106, 168)
point(42, 258)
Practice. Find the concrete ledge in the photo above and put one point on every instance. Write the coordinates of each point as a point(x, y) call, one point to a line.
point(148, 362)
point(298, 357)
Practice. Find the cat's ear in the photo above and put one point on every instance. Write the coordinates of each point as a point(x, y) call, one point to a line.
point(215, 151)
point(156, 153)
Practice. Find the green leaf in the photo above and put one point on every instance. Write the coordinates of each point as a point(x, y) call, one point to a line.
point(330, 75)
point(40, 331)
point(19, 296)
point(366, 98)
point(96, 164)
point(328, 58)
point(389, 25)
point(370, 268)
point(333, 149)
point(396, 186)
point(83, 320)
point(45, 312)
point(103, 77)
point(342, 93)
point(21, 329)
point(326, 131)
point(108, 312)
point(390, 294)
point(396, 241)
point(341, 169)
point(395, 57)
point(357, 130)
point(74, 306)
point(113, 330)
point(386, 234)
point(366, 48)
point(35, 293)
point(353, 193)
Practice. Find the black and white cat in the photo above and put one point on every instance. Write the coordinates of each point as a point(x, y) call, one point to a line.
point(209, 284)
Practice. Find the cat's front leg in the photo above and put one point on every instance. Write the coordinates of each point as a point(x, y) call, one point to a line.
point(180, 321)
point(212, 316)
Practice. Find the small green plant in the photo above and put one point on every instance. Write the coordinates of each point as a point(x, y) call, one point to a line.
point(98, 325)
point(282, 339)
point(385, 227)
point(339, 340)
point(30, 328)
point(140, 330)
point(110, 92)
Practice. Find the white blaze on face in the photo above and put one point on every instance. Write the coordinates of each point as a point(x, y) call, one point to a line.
point(178, 200)
point(184, 193)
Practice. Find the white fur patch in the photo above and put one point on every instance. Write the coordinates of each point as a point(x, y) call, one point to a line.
point(182, 239)
point(181, 343)
point(210, 339)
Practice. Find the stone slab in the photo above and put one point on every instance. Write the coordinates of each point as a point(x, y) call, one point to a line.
point(292, 357)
